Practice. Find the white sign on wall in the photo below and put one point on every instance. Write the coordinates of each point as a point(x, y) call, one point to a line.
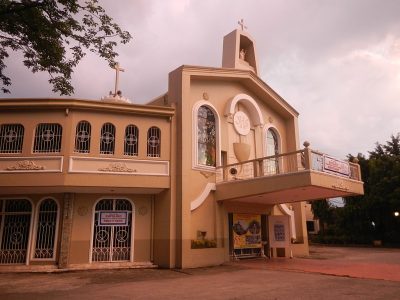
point(336, 166)
point(279, 231)
point(113, 218)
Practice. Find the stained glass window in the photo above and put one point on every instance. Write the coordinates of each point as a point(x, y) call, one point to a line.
point(272, 164)
point(206, 137)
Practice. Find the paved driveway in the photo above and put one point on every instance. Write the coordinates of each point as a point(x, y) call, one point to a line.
point(299, 278)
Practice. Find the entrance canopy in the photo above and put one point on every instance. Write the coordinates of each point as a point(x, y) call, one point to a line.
point(303, 175)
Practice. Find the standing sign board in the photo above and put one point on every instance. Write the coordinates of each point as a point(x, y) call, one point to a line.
point(113, 218)
point(246, 231)
point(279, 232)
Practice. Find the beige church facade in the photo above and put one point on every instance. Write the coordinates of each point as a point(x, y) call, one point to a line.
point(210, 171)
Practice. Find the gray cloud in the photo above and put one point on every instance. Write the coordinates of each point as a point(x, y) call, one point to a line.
point(334, 61)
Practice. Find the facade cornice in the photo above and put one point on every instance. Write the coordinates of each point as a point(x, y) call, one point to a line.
point(238, 75)
point(83, 104)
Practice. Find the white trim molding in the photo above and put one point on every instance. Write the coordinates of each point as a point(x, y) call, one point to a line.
point(94, 165)
point(251, 105)
point(33, 164)
point(202, 197)
point(287, 211)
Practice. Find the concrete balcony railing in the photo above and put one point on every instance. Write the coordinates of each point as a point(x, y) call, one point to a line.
point(287, 163)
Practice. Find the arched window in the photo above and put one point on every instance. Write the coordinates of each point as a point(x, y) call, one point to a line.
point(15, 220)
point(107, 139)
point(11, 138)
point(153, 142)
point(131, 140)
point(271, 166)
point(206, 137)
point(46, 229)
point(47, 138)
point(82, 137)
point(112, 240)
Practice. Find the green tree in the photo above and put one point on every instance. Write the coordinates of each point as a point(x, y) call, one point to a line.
point(372, 215)
point(322, 211)
point(53, 35)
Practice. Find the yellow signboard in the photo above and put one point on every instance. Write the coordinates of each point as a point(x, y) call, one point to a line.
point(246, 231)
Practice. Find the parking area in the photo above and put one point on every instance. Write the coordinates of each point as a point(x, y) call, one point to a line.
point(329, 273)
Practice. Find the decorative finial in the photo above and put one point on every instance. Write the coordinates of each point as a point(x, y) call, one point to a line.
point(306, 144)
point(241, 24)
point(117, 70)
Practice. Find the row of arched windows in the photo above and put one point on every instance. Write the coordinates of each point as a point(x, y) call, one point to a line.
point(48, 138)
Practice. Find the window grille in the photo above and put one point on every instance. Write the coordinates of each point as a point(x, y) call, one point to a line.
point(82, 137)
point(15, 220)
point(131, 140)
point(107, 139)
point(46, 229)
point(206, 137)
point(11, 138)
point(47, 138)
point(112, 243)
point(153, 142)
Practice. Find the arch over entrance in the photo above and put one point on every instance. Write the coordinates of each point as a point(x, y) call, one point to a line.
point(112, 231)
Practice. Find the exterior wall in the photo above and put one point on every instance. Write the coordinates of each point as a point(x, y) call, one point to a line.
point(186, 91)
point(148, 191)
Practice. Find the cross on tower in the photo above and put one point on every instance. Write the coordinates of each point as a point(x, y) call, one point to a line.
point(117, 70)
point(241, 24)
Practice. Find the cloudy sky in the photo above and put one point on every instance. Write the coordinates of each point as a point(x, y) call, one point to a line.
point(336, 62)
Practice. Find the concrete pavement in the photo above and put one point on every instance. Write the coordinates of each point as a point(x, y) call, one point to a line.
point(299, 278)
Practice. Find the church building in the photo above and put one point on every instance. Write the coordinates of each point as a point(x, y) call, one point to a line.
point(211, 171)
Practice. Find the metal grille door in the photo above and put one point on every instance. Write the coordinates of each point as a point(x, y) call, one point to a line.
point(46, 229)
point(15, 220)
point(111, 242)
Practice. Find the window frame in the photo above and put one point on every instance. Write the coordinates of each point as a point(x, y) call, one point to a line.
point(149, 136)
point(19, 139)
point(107, 152)
point(89, 130)
point(195, 161)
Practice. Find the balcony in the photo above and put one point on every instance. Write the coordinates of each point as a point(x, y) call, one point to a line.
point(302, 175)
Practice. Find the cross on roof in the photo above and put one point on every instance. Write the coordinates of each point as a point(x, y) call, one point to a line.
point(117, 70)
point(241, 23)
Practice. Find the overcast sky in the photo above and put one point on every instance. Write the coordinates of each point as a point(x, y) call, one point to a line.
point(337, 62)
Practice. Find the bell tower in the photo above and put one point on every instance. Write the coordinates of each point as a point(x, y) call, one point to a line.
point(239, 51)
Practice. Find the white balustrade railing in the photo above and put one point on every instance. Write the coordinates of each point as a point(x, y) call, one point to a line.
point(286, 163)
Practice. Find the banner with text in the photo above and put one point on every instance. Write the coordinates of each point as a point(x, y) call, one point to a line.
point(336, 166)
point(246, 231)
